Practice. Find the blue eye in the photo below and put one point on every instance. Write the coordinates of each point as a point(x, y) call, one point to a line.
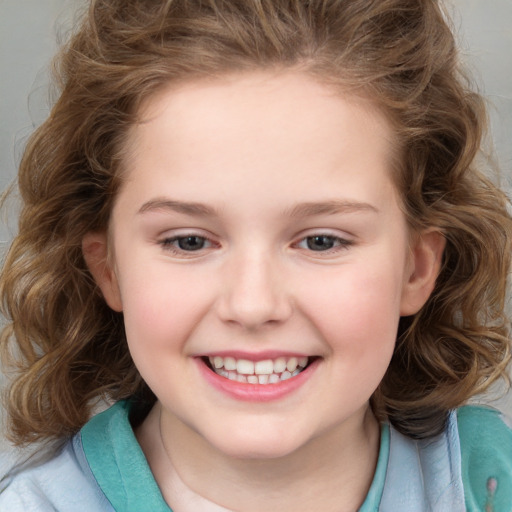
point(189, 243)
point(320, 243)
point(323, 243)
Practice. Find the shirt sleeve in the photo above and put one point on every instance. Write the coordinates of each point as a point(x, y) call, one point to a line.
point(486, 457)
point(21, 496)
point(63, 483)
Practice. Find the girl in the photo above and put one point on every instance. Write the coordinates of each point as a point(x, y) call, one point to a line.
point(259, 229)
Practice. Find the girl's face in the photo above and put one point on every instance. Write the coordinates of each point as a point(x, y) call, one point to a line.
point(258, 227)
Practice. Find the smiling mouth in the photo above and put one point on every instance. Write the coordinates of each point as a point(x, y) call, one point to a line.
point(268, 371)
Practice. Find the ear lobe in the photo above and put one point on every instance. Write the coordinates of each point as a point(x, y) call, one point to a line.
point(425, 265)
point(95, 251)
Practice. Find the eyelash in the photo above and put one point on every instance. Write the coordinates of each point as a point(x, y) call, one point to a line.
point(168, 244)
point(342, 243)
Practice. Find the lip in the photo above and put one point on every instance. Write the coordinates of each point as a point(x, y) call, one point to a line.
point(256, 392)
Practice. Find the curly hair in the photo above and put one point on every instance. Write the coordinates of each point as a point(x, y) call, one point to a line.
point(68, 348)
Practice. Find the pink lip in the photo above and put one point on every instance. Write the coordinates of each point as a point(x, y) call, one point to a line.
point(256, 392)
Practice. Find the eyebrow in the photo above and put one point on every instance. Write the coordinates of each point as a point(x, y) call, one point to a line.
point(310, 209)
point(330, 208)
point(195, 209)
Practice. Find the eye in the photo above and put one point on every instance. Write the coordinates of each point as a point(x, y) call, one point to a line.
point(323, 243)
point(188, 243)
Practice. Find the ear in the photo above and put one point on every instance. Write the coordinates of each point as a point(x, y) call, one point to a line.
point(95, 251)
point(424, 267)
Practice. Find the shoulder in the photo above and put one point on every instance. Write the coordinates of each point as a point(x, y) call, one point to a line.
point(486, 457)
point(63, 483)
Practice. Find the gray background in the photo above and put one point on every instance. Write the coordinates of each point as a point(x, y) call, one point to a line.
point(30, 29)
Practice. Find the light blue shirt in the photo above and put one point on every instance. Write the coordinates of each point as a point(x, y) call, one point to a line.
point(103, 469)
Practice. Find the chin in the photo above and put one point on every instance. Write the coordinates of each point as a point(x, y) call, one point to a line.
point(239, 445)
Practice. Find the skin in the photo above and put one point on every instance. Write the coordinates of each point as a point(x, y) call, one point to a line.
point(251, 148)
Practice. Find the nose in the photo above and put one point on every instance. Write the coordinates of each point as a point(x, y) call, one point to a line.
point(254, 292)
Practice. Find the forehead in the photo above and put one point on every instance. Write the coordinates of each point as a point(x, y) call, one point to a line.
point(254, 122)
point(203, 102)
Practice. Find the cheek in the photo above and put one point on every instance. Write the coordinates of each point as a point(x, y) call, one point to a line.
point(162, 305)
point(358, 309)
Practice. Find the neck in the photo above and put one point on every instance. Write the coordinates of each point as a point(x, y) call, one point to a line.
point(333, 469)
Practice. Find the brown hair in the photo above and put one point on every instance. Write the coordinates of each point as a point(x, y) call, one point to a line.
point(69, 347)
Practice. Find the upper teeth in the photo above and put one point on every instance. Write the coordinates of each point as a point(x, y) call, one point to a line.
point(264, 367)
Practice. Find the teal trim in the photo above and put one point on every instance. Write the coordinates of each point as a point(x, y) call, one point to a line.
point(123, 474)
point(486, 451)
point(118, 463)
point(372, 501)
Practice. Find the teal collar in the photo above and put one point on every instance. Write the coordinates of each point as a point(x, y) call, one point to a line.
point(123, 474)
point(374, 496)
point(118, 463)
